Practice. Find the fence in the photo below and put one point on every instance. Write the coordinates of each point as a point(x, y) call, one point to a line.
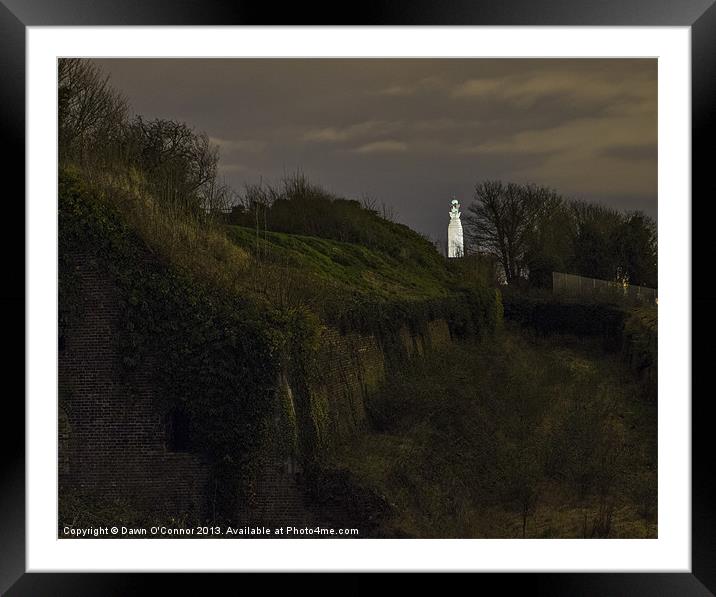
point(601, 290)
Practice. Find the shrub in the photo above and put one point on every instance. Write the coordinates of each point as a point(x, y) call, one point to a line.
point(548, 315)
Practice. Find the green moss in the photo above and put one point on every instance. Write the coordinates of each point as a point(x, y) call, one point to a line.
point(284, 433)
point(319, 418)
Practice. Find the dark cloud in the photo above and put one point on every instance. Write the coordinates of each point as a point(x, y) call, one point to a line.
point(647, 152)
point(413, 132)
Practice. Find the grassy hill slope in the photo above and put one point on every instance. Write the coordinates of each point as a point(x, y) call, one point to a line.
point(349, 267)
point(220, 315)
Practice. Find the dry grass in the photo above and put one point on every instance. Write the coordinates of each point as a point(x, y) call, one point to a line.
point(195, 245)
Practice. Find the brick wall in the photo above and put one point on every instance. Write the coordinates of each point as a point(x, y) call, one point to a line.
point(112, 433)
point(352, 366)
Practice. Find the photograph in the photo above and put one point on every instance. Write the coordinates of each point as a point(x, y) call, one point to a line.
point(346, 298)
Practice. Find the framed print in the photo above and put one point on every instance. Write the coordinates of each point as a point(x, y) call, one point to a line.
point(367, 297)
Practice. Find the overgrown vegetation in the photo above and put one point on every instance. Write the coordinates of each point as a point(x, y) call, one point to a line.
point(198, 312)
point(547, 314)
point(297, 206)
point(512, 438)
point(363, 289)
point(629, 331)
point(217, 312)
point(641, 347)
point(507, 437)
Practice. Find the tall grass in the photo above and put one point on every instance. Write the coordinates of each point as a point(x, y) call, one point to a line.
point(196, 244)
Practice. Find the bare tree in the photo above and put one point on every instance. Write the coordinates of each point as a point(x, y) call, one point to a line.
point(388, 212)
point(550, 242)
point(501, 220)
point(218, 197)
point(369, 203)
point(181, 163)
point(91, 114)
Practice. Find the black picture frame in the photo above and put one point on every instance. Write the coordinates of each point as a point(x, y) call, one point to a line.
point(17, 15)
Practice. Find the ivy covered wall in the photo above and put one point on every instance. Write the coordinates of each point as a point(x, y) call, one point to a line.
point(179, 399)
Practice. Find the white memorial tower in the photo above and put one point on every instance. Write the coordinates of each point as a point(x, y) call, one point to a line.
point(455, 246)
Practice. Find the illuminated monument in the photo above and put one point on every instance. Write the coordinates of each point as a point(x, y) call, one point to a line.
point(455, 246)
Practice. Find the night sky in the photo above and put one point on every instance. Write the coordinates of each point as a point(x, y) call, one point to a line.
point(413, 132)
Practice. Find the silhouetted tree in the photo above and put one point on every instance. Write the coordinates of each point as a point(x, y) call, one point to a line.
point(532, 231)
point(502, 220)
point(611, 245)
point(635, 241)
point(594, 254)
point(91, 114)
point(549, 244)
